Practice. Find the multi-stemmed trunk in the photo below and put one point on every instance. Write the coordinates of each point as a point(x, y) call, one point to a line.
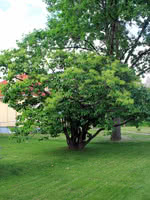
point(79, 139)
point(76, 140)
point(76, 146)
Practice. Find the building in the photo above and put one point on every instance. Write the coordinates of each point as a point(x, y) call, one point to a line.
point(7, 114)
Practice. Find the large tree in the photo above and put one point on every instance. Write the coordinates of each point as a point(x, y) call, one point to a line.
point(71, 94)
point(119, 29)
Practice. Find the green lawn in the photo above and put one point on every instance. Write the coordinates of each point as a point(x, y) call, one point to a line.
point(47, 170)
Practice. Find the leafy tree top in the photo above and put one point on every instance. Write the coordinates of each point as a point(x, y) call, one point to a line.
point(119, 29)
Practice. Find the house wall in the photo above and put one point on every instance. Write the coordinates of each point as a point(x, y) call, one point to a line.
point(7, 115)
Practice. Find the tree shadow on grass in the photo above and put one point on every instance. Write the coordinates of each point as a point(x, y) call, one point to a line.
point(104, 149)
point(7, 170)
point(61, 156)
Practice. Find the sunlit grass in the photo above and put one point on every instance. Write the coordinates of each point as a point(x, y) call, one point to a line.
point(47, 170)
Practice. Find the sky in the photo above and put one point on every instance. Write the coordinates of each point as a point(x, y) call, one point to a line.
point(18, 17)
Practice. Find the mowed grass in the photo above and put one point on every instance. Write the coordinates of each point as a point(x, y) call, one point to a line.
point(47, 170)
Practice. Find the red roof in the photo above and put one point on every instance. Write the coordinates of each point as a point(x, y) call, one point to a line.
point(22, 77)
point(2, 83)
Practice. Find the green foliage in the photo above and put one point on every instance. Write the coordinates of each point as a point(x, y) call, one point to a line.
point(18, 138)
point(119, 29)
point(17, 135)
point(72, 93)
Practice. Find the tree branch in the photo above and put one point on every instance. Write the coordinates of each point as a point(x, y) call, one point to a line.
point(91, 46)
point(140, 56)
point(145, 24)
point(93, 136)
point(75, 47)
point(126, 121)
point(143, 71)
point(66, 134)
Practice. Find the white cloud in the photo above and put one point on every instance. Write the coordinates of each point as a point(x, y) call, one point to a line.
point(20, 18)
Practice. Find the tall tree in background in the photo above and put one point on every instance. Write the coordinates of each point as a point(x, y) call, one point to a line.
point(116, 28)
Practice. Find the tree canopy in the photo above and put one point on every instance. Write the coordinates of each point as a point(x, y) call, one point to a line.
point(73, 93)
point(119, 29)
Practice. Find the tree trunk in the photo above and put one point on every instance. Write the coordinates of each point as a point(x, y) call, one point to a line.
point(77, 139)
point(72, 146)
point(116, 132)
point(75, 145)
